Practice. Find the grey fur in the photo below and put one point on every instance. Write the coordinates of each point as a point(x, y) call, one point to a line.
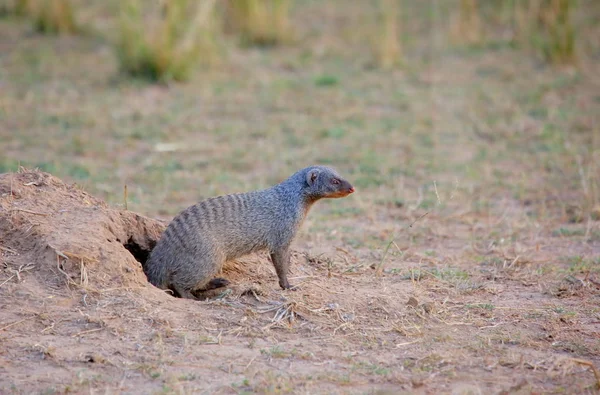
point(199, 240)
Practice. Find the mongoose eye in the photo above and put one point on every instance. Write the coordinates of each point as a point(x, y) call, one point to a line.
point(335, 181)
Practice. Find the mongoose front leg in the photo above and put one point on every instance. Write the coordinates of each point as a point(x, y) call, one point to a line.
point(281, 261)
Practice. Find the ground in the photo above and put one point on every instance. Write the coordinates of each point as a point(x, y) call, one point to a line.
point(467, 261)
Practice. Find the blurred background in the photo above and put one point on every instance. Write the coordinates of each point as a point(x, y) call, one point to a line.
point(445, 107)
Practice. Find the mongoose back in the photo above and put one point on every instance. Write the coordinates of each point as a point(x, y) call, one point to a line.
point(201, 238)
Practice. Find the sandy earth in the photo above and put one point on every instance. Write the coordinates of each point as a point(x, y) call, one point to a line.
point(77, 315)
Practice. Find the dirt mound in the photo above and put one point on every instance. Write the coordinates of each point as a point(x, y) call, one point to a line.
point(63, 235)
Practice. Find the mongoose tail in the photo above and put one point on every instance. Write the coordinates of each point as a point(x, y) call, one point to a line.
point(200, 239)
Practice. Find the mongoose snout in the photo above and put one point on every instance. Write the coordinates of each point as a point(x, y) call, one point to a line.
point(345, 190)
point(201, 238)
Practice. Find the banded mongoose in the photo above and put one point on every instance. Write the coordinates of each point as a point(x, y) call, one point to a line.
point(201, 238)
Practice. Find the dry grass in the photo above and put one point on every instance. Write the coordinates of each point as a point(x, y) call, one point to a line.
point(546, 26)
point(543, 27)
point(467, 25)
point(388, 46)
point(51, 16)
point(168, 46)
point(260, 22)
point(14, 7)
point(558, 31)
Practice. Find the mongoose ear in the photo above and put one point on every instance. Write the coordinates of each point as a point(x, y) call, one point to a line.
point(312, 176)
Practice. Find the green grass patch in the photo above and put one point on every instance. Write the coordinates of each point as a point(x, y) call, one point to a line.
point(345, 212)
point(275, 352)
point(580, 264)
point(326, 80)
point(450, 274)
point(484, 306)
point(371, 368)
point(178, 38)
point(9, 165)
point(79, 172)
point(568, 232)
point(335, 133)
point(48, 167)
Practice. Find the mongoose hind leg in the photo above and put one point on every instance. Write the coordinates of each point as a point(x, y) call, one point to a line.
point(215, 283)
point(184, 292)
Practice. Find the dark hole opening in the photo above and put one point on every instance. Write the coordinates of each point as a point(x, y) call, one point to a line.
point(140, 253)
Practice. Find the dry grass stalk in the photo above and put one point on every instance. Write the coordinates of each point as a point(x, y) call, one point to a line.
point(546, 27)
point(51, 16)
point(559, 32)
point(7, 280)
point(21, 6)
point(169, 48)
point(83, 277)
point(29, 212)
point(466, 27)
point(83, 273)
point(380, 267)
point(14, 7)
point(591, 366)
point(87, 332)
point(524, 14)
point(15, 323)
point(125, 196)
point(389, 47)
point(589, 179)
point(260, 22)
point(21, 269)
point(284, 313)
point(9, 250)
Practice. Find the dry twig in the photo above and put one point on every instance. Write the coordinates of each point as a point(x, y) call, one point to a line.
point(7, 280)
point(15, 323)
point(30, 212)
point(9, 250)
point(592, 366)
point(86, 332)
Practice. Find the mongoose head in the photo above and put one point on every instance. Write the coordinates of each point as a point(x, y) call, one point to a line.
point(324, 182)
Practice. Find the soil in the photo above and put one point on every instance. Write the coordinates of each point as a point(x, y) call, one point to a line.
point(78, 316)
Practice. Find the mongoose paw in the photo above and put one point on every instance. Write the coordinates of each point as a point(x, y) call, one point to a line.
point(217, 282)
point(290, 287)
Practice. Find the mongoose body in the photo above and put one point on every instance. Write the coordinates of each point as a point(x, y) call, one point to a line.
point(201, 238)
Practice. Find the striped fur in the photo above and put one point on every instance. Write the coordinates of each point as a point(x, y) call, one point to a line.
point(204, 236)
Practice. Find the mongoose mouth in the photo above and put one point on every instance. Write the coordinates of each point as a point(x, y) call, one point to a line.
point(342, 193)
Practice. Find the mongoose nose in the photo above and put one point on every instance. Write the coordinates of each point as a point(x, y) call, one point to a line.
point(351, 190)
